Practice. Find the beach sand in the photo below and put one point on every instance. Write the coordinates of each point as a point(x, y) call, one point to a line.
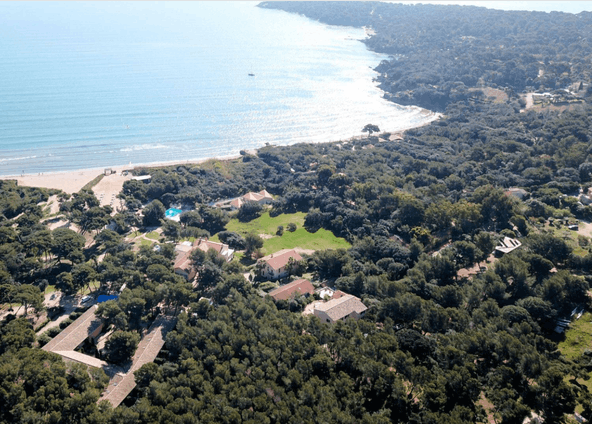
point(72, 181)
point(106, 190)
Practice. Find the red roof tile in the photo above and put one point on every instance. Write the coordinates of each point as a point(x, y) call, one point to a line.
point(280, 261)
point(299, 287)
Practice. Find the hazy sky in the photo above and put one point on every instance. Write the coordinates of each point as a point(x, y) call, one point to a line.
point(542, 6)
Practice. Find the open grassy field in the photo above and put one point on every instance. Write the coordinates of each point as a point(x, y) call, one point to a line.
point(320, 240)
point(153, 235)
point(570, 237)
point(578, 338)
point(267, 226)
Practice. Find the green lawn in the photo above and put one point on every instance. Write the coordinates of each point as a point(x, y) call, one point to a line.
point(94, 285)
point(153, 235)
point(144, 242)
point(320, 240)
point(570, 237)
point(50, 289)
point(267, 225)
point(577, 339)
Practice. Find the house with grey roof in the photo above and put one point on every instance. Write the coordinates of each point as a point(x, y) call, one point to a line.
point(507, 245)
point(346, 306)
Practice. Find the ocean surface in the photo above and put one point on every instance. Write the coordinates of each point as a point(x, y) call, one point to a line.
point(93, 84)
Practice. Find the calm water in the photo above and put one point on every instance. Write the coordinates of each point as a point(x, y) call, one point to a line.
point(91, 85)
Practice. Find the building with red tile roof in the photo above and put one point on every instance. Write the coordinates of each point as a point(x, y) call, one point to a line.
point(295, 288)
point(221, 249)
point(275, 264)
point(183, 266)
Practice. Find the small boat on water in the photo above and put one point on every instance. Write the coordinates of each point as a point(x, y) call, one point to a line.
point(251, 75)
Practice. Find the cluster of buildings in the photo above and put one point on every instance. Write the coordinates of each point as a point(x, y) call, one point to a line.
point(262, 197)
point(339, 306)
point(183, 264)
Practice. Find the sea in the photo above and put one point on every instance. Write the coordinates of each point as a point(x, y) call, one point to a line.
point(102, 84)
point(105, 84)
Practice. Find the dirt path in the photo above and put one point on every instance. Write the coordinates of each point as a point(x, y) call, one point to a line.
point(109, 187)
point(529, 102)
point(585, 229)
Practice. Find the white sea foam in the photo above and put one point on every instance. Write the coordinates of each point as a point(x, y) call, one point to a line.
point(139, 147)
point(17, 159)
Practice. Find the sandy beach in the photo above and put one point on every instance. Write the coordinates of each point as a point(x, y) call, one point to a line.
point(72, 181)
point(106, 190)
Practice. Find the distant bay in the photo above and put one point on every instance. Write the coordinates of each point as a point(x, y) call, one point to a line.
point(92, 84)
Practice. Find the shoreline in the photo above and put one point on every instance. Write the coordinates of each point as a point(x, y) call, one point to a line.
point(71, 181)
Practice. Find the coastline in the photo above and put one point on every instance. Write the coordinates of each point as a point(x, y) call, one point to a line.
point(72, 181)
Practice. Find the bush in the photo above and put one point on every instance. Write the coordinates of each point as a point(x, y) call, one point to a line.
point(291, 227)
point(74, 315)
point(52, 332)
point(280, 230)
point(232, 239)
point(249, 211)
point(65, 323)
point(43, 339)
point(43, 324)
point(267, 286)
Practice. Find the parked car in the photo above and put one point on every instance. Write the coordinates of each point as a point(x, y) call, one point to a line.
point(86, 299)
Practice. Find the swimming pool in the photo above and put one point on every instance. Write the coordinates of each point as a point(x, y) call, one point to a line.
point(172, 212)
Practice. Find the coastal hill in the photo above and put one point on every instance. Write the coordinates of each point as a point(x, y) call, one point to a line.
point(440, 53)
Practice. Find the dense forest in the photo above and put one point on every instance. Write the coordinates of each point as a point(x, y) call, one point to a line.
point(442, 52)
point(437, 344)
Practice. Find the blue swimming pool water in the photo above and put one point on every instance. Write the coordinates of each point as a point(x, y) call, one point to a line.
point(105, 297)
point(172, 212)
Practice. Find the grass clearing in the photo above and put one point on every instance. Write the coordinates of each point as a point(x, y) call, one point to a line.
point(569, 236)
point(321, 240)
point(50, 289)
point(153, 235)
point(144, 242)
point(578, 338)
point(265, 224)
point(301, 238)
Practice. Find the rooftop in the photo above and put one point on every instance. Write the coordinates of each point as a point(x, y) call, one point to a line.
point(77, 332)
point(280, 259)
point(299, 287)
point(507, 245)
point(339, 308)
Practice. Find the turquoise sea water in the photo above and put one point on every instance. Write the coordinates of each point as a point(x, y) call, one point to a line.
point(92, 84)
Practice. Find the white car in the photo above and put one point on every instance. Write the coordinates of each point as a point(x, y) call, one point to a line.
point(86, 299)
